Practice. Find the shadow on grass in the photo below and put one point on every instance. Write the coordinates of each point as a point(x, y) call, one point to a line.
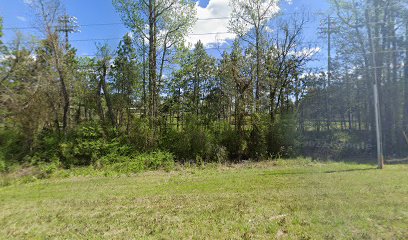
point(277, 173)
point(350, 170)
point(396, 161)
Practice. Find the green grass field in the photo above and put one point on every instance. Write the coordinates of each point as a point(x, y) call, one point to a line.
point(284, 199)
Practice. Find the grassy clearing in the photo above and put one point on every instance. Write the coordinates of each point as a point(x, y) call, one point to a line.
point(292, 199)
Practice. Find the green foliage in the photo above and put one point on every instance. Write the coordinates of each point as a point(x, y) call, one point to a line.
point(13, 146)
point(158, 160)
point(230, 139)
point(137, 162)
point(257, 144)
point(192, 142)
point(126, 167)
point(46, 147)
point(199, 141)
point(87, 152)
point(281, 136)
point(48, 169)
point(142, 136)
point(3, 166)
point(121, 164)
point(83, 152)
point(220, 154)
point(87, 145)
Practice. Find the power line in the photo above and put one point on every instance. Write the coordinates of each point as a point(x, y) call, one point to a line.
point(360, 53)
point(112, 39)
point(120, 23)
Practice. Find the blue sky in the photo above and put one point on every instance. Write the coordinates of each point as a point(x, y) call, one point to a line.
point(16, 13)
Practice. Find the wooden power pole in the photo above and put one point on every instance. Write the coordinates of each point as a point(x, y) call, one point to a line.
point(329, 68)
point(67, 25)
point(378, 129)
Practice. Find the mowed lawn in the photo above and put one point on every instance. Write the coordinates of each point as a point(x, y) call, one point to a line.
point(284, 199)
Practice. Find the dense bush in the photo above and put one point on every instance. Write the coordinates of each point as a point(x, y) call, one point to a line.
point(13, 146)
point(46, 147)
point(3, 166)
point(281, 136)
point(233, 143)
point(257, 144)
point(137, 162)
point(140, 148)
point(157, 160)
point(192, 142)
point(142, 136)
point(84, 146)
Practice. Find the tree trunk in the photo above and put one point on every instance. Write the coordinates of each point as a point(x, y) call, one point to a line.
point(64, 90)
point(107, 98)
point(405, 113)
point(152, 64)
point(99, 103)
point(258, 68)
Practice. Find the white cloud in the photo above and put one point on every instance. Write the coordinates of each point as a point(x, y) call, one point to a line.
point(21, 18)
point(218, 9)
point(28, 1)
point(214, 9)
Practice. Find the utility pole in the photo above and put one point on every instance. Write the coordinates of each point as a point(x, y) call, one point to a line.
point(328, 71)
point(67, 25)
point(380, 154)
point(327, 30)
point(329, 67)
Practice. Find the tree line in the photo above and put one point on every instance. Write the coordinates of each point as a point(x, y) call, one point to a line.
point(154, 92)
point(370, 39)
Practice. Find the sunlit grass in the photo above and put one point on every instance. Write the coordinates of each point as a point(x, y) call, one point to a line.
point(284, 199)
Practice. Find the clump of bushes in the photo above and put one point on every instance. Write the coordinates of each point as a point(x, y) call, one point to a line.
point(137, 162)
point(3, 167)
point(281, 136)
point(84, 146)
point(257, 144)
point(232, 142)
point(141, 136)
point(13, 147)
point(191, 143)
point(140, 148)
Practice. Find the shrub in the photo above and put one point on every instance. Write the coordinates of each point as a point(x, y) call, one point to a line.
point(46, 146)
point(282, 135)
point(220, 154)
point(83, 152)
point(230, 139)
point(257, 143)
point(87, 145)
point(113, 158)
point(158, 160)
point(142, 136)
point(127, 167)
point(200, 142)
point(48, 168)
point(175, 142)
point(13, 145)
point(89, 131)
point(137, 162)
point(189, 143)
point(3, 167)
